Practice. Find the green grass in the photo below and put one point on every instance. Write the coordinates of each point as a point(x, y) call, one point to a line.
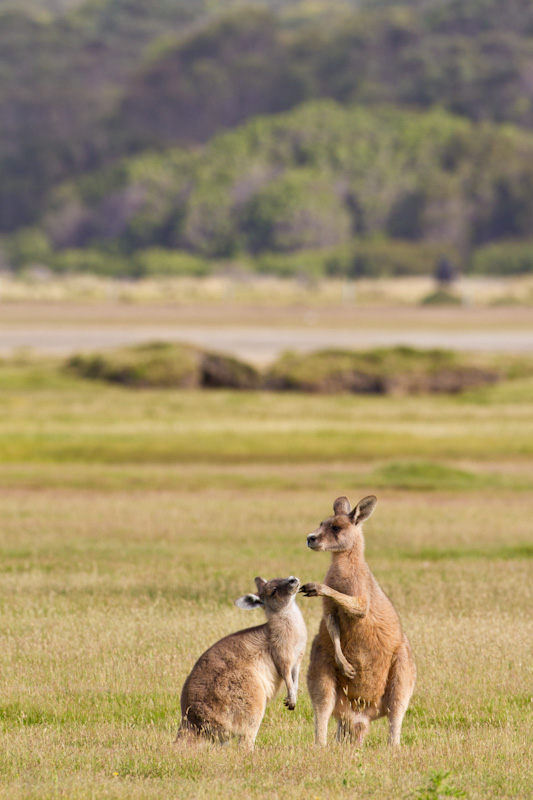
point(130, 520)
point(110, 425)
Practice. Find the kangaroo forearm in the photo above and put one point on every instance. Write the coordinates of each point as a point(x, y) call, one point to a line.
point(332, 624)
point(333, 627)
point(353, 606)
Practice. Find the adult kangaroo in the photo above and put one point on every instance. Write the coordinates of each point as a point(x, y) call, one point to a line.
point(227, 691)
point(361, 665)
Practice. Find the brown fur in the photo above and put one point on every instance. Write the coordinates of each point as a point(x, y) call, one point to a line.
point(229, 686)
point(361, 664)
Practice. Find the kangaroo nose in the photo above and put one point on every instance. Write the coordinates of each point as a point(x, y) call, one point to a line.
point(311, 539)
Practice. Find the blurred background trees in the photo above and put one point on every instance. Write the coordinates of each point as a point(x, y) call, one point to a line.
point(266, 130)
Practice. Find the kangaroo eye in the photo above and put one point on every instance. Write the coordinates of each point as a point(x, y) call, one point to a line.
point(273, 592)
point(335, 528)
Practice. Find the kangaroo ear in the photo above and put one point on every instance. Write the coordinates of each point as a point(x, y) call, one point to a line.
point(341, 506)
point(260, 582)
point(248, 602)
point(363, 509)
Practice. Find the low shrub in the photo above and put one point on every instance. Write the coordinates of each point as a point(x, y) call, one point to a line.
point(441, 297)
point(328, 371)
point(359, 259)
point(165, 365)
point(305, 263)
point(503, 258)
point(151, 365)
point(220, 371)
point(26, 247)
point(93, 262)
point(399, 370)
point(156, 261)
point(383, 259)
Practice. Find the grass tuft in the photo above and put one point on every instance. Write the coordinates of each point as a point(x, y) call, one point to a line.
point(439, 786)
point(429, 475)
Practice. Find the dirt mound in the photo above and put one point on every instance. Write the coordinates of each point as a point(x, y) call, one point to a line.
point(400, 370)
point(165, 365)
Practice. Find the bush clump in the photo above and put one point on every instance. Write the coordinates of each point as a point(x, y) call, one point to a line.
point(504, 258)
point(219, 371)
point(160, 261)
point(441, 297)
point(165, 365)
point(398, 370)
point(92, 261)
point(149, 365)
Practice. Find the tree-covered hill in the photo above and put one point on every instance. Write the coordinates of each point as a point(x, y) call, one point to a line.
point(60, 78)
point(40, 6)
point(113, 90)
point(475, 59)
point(315, 177)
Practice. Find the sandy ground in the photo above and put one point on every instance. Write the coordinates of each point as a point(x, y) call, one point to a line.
point(259, 334)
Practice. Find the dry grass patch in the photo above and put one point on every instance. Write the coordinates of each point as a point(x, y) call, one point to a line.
point(118, 567)
point(107, 599)
point(260, 291)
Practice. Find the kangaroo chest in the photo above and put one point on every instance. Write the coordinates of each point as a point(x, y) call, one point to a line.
point(349, 584)
point(368, 643)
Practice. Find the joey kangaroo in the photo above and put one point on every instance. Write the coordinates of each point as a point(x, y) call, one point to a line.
point(227, 691)
point(361, 665)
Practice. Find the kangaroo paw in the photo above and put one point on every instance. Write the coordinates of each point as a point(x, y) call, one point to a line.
point(347, 670)
point(311, 589)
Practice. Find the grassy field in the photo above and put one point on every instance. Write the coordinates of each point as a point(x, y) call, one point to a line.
point(130, 520)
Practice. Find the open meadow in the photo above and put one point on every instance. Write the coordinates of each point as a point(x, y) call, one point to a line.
point(131, 519)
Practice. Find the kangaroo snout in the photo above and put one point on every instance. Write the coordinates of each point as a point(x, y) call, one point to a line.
point(312, 541)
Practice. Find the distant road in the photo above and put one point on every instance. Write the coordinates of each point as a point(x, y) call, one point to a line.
point(259, 345)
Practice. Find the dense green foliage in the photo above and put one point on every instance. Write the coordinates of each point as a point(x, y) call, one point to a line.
point(473, 61)
point(40, 6)
point(505, 258)
point(115, 90)
point(60, 79)
point(317, 177)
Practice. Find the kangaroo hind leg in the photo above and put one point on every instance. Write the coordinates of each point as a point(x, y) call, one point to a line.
point(400, 687)
point(321, 683)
